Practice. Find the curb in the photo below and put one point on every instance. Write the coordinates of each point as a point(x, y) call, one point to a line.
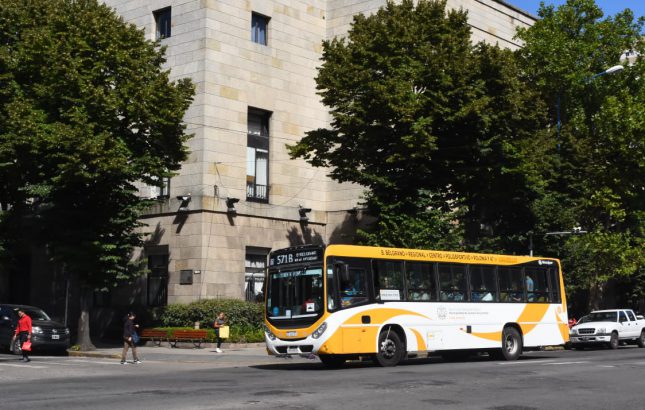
point(98, 355)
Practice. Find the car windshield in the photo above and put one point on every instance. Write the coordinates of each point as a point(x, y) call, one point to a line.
point(295, 293)
point(36, 314)
point(601, 317)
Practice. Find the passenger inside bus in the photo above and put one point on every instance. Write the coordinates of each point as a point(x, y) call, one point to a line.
point(482, 294)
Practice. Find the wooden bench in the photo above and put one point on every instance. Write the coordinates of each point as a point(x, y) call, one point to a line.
point(156, 336)
point(196, 337)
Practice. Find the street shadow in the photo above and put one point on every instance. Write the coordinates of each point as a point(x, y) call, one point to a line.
point(316, 365)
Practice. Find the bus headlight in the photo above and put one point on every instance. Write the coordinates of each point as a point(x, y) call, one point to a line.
point(318, 332)
point(269, 334)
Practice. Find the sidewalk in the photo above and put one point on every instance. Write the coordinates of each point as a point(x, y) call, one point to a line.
point(233, 355)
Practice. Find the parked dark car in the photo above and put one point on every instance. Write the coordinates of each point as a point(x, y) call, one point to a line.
point(46, 333)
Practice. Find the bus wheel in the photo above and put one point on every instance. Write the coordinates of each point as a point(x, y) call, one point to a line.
point(333, 361)
point(511, 343)
point(390, 349)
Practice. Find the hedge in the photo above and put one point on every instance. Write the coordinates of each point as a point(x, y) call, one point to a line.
point(240, 314)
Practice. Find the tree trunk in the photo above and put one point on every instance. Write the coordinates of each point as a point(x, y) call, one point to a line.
point(84, 340)
point(595, 295)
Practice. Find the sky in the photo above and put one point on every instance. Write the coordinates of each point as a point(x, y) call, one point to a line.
point(609, 7)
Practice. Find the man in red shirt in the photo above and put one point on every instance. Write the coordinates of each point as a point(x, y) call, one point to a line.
point(23, 332)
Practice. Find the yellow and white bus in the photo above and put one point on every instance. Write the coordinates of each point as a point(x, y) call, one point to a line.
point(342, 302)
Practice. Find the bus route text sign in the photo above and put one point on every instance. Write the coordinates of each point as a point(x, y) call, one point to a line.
point(289, 256)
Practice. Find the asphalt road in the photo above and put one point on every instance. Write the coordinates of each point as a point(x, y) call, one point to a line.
point(247, 379)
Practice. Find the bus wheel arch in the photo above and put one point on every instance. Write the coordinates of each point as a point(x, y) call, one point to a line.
point(391, 346)
point(512, 342)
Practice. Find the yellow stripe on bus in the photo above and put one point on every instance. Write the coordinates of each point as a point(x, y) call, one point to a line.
point(421, 344)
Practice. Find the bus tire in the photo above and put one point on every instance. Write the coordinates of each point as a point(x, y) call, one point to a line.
point(332, 361)
point(390, 350)
point(641, 339)
point(613, 341)
point(511, 343)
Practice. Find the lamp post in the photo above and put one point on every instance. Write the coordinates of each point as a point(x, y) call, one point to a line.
point(576, 230)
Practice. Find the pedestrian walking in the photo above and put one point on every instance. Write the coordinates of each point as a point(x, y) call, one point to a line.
point(129, 333)
point(219, 322)
point(23, 333)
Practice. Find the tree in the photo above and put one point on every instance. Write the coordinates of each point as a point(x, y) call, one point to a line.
point(86, 111)
point(593, 173)
point(430, 124)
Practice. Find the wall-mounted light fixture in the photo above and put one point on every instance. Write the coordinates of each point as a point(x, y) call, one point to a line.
point(304, 219)
point(230, 205)
point(185, 200)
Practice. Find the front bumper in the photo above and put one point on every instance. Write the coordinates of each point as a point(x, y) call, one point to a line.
point(286, 348)
point(39, 342)
point(590, 339)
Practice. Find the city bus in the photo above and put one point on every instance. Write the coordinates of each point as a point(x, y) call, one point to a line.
point(344, 302)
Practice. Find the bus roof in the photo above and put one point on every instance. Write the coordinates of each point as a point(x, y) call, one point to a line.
point(432, 255)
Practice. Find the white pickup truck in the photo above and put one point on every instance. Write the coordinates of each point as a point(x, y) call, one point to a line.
point(610, 327)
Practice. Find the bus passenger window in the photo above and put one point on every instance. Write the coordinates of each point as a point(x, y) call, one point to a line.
point(420, 280)
point(511, 288)
point(482, 284)
point(452, 279)
point(388, 276)
point(537, 285)
point(554, 276)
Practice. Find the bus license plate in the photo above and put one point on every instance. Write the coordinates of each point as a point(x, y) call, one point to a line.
point(293, 349)
point(55, 337)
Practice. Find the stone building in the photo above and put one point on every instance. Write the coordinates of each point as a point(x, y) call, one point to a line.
point(238, 195)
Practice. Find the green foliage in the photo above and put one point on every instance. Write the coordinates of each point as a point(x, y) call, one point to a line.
point(86, 111)
point(431, 125)
point(592, 176)
point(240, 314)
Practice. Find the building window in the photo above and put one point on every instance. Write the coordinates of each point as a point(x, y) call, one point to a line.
point(163, 23)
point(160, 192)
point(157, 275)
point(254, 266)
point(257, 156)
point(259, 26)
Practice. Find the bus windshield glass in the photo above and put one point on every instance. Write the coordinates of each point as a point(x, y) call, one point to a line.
point(295, 293)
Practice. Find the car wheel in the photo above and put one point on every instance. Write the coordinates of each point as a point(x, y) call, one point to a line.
point(511, 343)
point(613, 341)
point(332, 361)
point(641, 339)
point(390, 349)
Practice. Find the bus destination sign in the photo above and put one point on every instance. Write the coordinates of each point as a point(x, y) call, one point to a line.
point(289, 256)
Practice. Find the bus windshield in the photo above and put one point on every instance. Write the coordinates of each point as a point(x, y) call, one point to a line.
point(295, 293)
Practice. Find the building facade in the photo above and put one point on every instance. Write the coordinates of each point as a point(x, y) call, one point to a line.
point(238, 195)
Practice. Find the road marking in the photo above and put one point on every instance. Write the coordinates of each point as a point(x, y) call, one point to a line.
point(562, 363)
point(115, 361)
point(523, 362)
point(24, 366)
